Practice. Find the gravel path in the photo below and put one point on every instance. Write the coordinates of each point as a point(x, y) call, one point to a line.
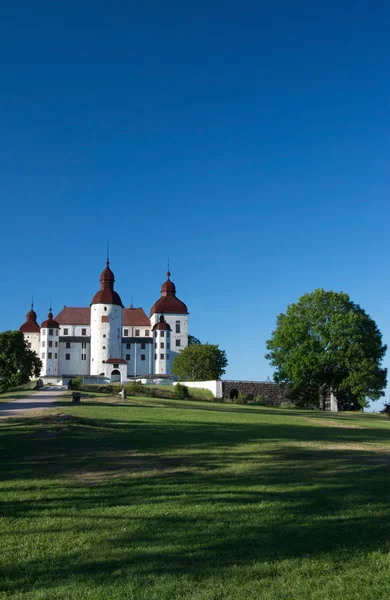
point(25, 406)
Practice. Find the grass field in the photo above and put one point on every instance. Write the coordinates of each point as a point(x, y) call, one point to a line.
point(166, 500)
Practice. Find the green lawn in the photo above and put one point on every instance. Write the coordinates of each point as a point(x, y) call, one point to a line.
point(165, 500)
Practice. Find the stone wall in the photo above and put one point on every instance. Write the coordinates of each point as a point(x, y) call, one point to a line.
point(272, 393)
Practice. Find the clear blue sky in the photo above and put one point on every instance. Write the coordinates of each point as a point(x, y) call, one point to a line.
point(247, 141)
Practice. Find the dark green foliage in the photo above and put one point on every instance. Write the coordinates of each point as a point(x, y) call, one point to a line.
point(325, 342)
point(181, 391)
point(134, 388)
point(76, 383)
point(193, 340)
point(386, 409)
point(200, 362)
point(17, 362)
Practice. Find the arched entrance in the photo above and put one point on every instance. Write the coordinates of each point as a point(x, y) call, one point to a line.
point(233, 394)
point(115, 376)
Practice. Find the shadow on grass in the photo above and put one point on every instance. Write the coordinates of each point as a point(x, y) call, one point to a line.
point(212, 503)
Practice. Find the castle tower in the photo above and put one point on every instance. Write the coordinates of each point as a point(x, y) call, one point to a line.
point(31, 330)
point(175, 314)
point(50, 330)
point(162, 346)
point(106, 323)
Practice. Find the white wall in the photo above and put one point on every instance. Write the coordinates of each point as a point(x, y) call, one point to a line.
point(74, 366)
point(182, 336)
point(34, 340)
point(75, 330)
point(137, 366)
point(214, 386)
point(162, 365)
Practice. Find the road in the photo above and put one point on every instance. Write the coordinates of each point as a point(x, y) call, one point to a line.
point(26, 406)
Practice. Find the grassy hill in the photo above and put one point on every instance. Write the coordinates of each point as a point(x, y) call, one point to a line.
point(163, 499)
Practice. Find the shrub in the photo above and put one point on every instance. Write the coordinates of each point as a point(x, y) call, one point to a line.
point(242, 398)
point(134, 388)
point(76, 383)
point(181, 391)
point(386, 409)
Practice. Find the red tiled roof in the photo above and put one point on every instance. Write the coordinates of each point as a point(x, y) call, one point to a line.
point(169, 304)
point(74, 315)
point(135, 316)
point(107, 297)
point(162, 325)
point(50, 322)
point(118, 361)
point(31, 325)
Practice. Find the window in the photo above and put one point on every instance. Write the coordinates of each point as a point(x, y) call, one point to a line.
point(168, 346)
point(43, 344)
point(177, 342)
point(50, 332)
point(155, 334)
point(83, 357)
point(155, 345)
point(128, 346)
point(126, 333)
point(146, 332)
point(104, 347)
point(55, 356)
point(56, 344)
point(29, 344)
point(67, 356)
point(137, 332)
point(43, 355)
point(50, 355)
point(162, 333)
point(104, 335)
point(68, 344)
point(162, 356)
point(116, 366)
point(66, 331)
point(155, 357)
point(142, 346)
point(83, 344)
point(177, 325)
point(167, 356)
point(104, 319)
point(105, 308)
point(50, 344)
point(56, 331)
point(128, 357)
point(83, 332)
point(142, 356)
point(162, 345)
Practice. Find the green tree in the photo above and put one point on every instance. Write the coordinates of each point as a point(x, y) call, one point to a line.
point(200, 362)
point(326, 342)
point(17, 362)
point(193, 340)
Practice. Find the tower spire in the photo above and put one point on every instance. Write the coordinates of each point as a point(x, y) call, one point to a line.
point(168, 272)
point(108, 253)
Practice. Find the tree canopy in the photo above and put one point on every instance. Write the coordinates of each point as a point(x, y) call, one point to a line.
point(325, 340)
point(200, 362)
point(17, 362)
point(193, 340)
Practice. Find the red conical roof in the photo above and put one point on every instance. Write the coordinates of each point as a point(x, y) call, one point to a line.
point(162, 325)
point(31, 325)
point(168, 303)
point(106, 294)
point(50, 322)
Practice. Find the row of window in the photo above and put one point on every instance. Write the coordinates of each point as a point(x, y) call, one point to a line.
point(137, 333)
point(66, 331)
point(143, 346)
point(162, 345)
point(128, 357)
point(49, 332)
point(161, 357)
point(49, 355)
point(50, 344)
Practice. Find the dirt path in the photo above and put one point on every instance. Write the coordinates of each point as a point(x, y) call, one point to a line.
point(25, 406)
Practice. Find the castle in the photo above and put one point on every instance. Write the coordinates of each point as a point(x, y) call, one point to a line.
point(107, 340)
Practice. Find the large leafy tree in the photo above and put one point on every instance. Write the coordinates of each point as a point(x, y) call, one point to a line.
point(200, 362)
point(326, 342)
point(17, 362)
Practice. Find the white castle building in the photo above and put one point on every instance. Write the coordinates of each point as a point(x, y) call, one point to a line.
point(108, 340)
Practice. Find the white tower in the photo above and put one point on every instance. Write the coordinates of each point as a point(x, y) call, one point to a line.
point(31, 331)
point(175, 314)
point(162, 347)
point(50, 330)
point(106, 323)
